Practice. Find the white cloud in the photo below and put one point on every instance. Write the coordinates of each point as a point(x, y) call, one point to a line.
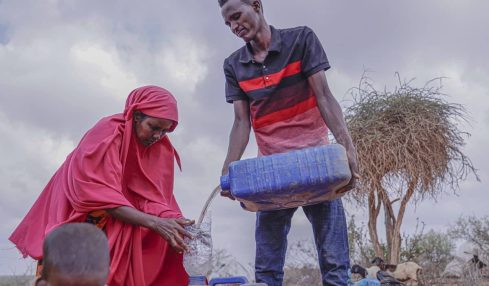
point(183, 61)
point(103, 64)
point(29, 157)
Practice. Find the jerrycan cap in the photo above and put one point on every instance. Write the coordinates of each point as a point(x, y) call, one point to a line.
point(225, 183)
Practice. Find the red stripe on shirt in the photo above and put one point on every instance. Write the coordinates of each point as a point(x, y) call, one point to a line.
point(270, 79)
point(284, 114)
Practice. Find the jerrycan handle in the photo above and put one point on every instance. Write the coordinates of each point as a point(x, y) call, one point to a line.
point(225, 183)
point(228, 280)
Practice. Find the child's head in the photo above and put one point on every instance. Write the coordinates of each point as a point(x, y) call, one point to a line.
point(75, 254)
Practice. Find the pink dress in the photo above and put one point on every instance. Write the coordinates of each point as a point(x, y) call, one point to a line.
point(110, 168)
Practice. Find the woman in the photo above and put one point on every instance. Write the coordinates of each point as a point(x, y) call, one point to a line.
point(120, 177)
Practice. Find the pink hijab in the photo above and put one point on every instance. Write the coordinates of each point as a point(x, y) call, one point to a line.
point(110, 168)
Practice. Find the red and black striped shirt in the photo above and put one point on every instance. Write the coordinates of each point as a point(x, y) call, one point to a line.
point(283, 108)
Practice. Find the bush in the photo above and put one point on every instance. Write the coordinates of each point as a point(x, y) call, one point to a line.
point(437, 248)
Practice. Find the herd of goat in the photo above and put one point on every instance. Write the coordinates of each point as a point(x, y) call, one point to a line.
point(407, 273)
point(403, 274)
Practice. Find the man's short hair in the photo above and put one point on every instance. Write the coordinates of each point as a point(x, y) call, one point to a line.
point(76, 249)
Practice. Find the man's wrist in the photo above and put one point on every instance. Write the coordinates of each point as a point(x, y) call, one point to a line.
point(225, 168)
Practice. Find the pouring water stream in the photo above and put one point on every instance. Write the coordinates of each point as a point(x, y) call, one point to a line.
point(207, 204)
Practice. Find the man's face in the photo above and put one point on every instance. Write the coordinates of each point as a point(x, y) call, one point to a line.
point(242, 18)
point(150, 129)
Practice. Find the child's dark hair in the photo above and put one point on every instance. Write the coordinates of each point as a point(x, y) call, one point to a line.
point(76, 249)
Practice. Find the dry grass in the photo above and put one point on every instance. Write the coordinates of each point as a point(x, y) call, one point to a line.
point(458, 282)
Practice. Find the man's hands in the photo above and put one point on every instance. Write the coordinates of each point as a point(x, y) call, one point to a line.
point(227, 194)
point(173, 231)
point(351, 154)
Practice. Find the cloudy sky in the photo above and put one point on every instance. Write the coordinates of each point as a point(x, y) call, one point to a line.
point(65, 64)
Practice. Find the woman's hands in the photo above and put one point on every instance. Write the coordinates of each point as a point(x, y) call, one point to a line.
point(173, 231)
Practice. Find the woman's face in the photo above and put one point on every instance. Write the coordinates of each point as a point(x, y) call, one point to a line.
point(150, 129)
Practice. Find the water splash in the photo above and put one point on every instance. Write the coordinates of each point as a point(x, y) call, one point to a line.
point(198, 259)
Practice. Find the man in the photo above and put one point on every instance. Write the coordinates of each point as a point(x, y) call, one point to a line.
point(277, 84)
point(75, 254)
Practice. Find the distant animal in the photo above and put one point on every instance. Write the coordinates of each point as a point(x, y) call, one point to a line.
point(387, 280)
point(372, 271)
point(408, 272)
point(474, 266)
point(357, 269)
point(383, 278)
point(477, 262)
point(463, 267)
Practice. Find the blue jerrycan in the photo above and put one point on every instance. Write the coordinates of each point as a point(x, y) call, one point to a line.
point(297, 178)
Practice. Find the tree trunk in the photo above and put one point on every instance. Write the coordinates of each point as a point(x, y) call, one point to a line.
point(395, 249)
point(395, 246)
point(389, 221)
point(389, 228)
point(374, 210)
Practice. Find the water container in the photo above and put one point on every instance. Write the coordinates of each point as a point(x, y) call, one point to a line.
point(368, 282)
point(197, 260)
point(197, 280)
point(228, 280)
point(297, 178)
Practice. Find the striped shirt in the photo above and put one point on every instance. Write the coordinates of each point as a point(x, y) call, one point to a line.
point(283, 108)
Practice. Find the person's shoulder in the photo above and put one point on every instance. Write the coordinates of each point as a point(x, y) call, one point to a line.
point(296, 30)
point(236, 55)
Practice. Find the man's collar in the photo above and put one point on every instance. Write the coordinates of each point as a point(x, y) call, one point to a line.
point(246, 54)
point(276, 44)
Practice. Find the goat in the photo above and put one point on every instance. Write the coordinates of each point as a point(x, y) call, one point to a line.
point(409, 272)
point(372, 271)
point(357, 269)
point(474, 267)
point(478, 264)
point(373, 276)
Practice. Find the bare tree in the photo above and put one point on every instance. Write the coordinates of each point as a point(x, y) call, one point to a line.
point(409, 148)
